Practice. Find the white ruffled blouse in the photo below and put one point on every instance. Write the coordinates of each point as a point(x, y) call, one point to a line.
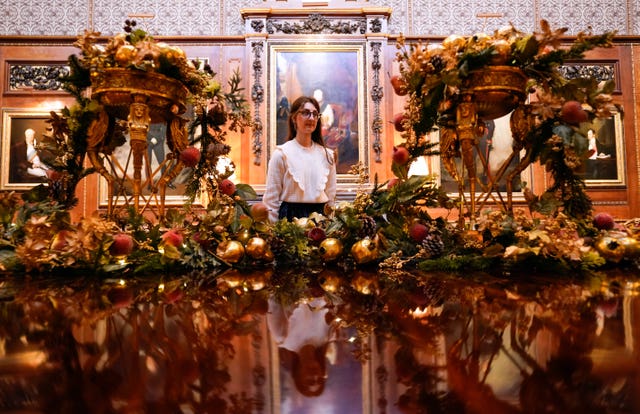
point(298, 174)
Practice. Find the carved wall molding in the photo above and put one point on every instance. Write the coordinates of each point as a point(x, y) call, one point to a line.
point(376, 96)
point(36, 77)
point(257, 96)
point(601, 71)
point(367, 26)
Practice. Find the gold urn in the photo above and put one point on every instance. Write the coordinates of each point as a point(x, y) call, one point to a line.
point(496, 90)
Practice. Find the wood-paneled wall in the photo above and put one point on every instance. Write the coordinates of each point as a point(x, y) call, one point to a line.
point(229, 53)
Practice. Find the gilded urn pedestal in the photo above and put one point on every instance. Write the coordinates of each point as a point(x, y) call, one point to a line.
point(486, 94)
point(136, 99)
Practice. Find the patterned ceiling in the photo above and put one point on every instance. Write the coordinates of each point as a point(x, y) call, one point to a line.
point(411, 17)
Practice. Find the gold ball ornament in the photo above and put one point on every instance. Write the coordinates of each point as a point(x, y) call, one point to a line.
point(330, 249)
point(243, 236)
point(230, 251)
point(125, 55)
point(365, 283)
point(256, 247)
point(364, 251)
point(610, 248)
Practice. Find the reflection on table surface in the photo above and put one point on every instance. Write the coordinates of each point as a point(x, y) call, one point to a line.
point(327, 342)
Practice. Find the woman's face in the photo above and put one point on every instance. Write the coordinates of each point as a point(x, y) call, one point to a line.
point(306, 118)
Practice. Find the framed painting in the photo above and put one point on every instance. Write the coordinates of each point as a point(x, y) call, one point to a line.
point(334, 75)
point(22, 165)
point(120, 164)
point(606, 166)
point(494, 161)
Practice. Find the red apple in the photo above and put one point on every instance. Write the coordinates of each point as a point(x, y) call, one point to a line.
point(399, 87)
point(227, 187)
point(316, 235)
point(172, 238)
point(573, 113)
point(260, 211)
point(190, 156)
point(122, 245)
point(418, 232)
point(400, 155)
point(398, 120)
point(603, 221)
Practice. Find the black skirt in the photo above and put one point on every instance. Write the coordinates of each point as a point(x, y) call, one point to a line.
point(291, 211)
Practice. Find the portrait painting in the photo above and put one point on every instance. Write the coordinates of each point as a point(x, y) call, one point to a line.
point(604, 165)
point(333, 74)
point(23, 163)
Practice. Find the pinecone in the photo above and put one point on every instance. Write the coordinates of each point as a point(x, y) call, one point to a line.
point(433, 244)
point(369, 226)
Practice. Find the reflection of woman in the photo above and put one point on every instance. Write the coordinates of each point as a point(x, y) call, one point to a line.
point(302, 336)
point(301, 177)
point(37, 168)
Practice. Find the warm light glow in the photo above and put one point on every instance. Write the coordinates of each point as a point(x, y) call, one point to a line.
point(161, 250)
point(122, 282)
point(419, 167)
point(161, 287)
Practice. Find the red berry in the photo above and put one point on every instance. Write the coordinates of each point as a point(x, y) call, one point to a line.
point(227, 187)
point(603, 221)
point(573, 113)
point(190, 156)
point(122, 245)
point(400, 155)
point(172, 238)
point(418, 232)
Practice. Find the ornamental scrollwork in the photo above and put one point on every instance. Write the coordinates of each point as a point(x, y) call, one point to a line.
point(600, 72)
point(257, 26)
point(37, 77)
point(315, 24)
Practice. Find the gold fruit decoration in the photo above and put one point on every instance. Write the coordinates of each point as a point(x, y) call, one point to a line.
point(230, 251)
point(256, 247)
point(631, 246)
point(330, 249)
point(610, 248)
point(364, 251)
point(125, 55)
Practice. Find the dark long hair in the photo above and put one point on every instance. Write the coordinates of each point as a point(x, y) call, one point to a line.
point(316, 135)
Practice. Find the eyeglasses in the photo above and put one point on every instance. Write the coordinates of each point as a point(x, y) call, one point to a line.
point(307, 114)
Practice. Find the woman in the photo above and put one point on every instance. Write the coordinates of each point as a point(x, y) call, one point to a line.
point(301, 177)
